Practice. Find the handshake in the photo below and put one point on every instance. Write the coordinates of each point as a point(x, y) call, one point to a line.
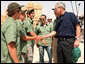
point(36, 38)
point(40, 39)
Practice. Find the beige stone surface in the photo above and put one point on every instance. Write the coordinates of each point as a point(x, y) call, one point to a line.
point(54, 50)
point(3, 18)
point(81, 59)
point(36, 55)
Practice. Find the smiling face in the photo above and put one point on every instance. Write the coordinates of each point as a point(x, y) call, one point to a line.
point(42, 19)
point(22, 16)
point(31, 15)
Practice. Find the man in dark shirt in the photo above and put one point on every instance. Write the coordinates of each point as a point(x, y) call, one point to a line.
point(67, 30)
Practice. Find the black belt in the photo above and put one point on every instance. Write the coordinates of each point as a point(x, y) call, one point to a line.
point(65, 38)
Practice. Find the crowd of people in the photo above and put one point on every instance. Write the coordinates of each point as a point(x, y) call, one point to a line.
point(18, 36)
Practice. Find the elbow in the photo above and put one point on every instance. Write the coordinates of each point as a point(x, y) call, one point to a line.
point(10, 46)
point(23, 38)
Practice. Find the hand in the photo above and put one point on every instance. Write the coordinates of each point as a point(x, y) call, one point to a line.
point(45, 43)
point(17, 61)
point(36, 39)
point(40, 38)
point(76, 43)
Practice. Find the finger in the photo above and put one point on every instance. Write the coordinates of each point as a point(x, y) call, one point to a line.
point(78, 45)
point(74, 45)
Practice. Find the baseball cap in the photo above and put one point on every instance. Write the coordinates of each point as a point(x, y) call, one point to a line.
point(13, 6)
point(53, 8)
point(76, 53)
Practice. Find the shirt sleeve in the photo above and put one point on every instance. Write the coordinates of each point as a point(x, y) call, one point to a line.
point(10, 34)
point(37, 30)
point(74, 19)
point(51, 28)
point(56, 27)
point(27, 26)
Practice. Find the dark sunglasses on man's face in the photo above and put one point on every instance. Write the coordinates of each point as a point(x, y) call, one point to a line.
point(42, 19)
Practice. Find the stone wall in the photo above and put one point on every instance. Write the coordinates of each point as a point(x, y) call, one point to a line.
point(3, 17)
point(36, 6)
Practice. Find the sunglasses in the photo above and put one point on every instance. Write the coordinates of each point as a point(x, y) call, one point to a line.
point(42, 19)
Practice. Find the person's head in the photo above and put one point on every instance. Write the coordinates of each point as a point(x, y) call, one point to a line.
point(59, 9)
point(43, 18)
point(22, 15)
point(31, 14)
point(50, 20)
point(14, 10)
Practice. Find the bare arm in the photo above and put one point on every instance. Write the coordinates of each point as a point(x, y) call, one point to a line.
point(33, 34)
point(27, 38)
point(49, 35)
point(76, 43)
point(13, 52)
point(77, 31)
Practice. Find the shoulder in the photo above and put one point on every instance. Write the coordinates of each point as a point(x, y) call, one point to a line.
point(71, 13)
point(9, 22)
point(26, 20)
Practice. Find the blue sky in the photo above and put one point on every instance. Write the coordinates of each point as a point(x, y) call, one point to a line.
point(47, 6)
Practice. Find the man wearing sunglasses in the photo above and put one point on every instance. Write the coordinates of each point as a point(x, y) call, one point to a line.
point(42, 29)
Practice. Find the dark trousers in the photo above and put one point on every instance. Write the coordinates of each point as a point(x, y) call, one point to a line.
point(64, 50)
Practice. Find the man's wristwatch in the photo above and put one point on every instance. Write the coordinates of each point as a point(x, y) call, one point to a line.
point(77, 38)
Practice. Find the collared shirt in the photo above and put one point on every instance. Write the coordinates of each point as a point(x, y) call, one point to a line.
point(28, 25)
point(9, 34)
point(55, 21)
point(66, 25)
point(22, 32)
point(42, 30)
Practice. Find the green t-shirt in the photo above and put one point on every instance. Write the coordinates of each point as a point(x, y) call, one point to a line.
point(55, 23)
point(22, 32)
point(44, 30)
point(9, 33)
point(28, 25)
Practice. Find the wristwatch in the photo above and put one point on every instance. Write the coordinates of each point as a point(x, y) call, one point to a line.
point(77, 38)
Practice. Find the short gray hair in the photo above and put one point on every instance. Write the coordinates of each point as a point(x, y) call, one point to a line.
point(61, 4)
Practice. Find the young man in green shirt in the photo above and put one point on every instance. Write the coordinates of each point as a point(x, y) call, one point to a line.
point(10, 38)
point(22, 33)
point(10, 48)
point(29, 28)
point(42, 29)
